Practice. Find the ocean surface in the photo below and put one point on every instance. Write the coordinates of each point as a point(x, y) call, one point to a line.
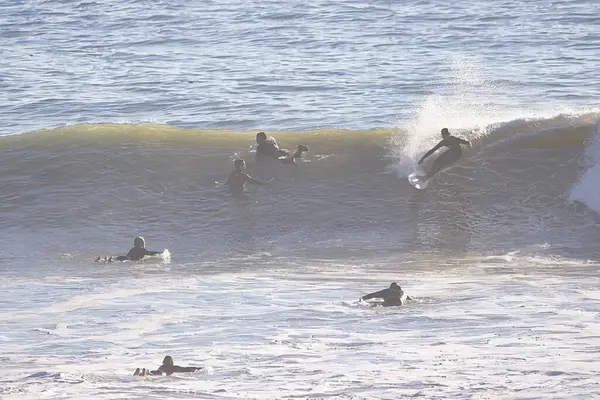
point(120, 119)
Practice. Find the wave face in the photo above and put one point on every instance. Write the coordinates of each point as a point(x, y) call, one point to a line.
point(103, 184)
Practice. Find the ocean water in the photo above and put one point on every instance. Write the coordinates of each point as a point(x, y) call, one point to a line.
point(121, 119)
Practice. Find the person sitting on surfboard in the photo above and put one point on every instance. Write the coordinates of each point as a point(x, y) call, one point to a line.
point(167, 368)
point(238, 177)
point(452, 155)
point(137, 252)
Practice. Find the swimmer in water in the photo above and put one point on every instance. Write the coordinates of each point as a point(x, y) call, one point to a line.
point(448, 158)
point(137, 252)
point(167, 368)
point(291, 158)
point(238, 177)
point(392, 296)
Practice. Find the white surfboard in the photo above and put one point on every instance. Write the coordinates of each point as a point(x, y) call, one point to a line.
point(417, 181)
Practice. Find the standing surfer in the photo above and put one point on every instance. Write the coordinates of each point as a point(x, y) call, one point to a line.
point(451, 156)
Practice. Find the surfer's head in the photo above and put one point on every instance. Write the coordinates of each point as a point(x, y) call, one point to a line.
point(139, 242)
point(445, 133)
point(168, 360)
point(395, 286)
point(261, 137)
point(239, 165)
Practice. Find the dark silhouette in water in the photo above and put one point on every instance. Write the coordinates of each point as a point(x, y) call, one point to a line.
point(136, 253)
point(238, 177)
point(167, 368)
point(268, 148)
point(392, 296)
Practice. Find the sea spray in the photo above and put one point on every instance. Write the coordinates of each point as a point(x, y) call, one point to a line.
point(587, 190)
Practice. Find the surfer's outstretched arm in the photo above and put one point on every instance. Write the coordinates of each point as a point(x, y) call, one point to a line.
point(256, 181)
point(380, 294)
point(430, 152)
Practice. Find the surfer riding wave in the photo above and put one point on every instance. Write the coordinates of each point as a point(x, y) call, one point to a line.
point(448, 158)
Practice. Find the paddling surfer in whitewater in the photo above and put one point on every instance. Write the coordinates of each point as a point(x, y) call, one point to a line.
point(136, 253)
point(167, 368)
point(392, 296)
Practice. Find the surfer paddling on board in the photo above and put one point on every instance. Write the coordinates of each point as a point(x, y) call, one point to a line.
point(268, 148)
point(392, 296)
point(136, 253)
point(448, 158)
point(167, 368)
point(238, 177)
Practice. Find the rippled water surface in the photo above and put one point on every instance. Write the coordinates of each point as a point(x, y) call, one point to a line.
point(121, 119)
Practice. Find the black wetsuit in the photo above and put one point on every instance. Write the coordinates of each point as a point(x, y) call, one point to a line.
point(236, 181)
point(268, 148)
point(170, 369)
point(452, 155)
point(391, 296)
point(137, 253)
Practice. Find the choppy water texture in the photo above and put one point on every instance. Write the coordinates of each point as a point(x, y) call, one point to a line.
point(123, 118)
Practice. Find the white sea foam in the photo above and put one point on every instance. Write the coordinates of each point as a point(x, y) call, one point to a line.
point(500, 327)
point(587, 190)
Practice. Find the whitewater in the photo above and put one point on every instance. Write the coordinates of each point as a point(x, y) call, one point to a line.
point(124, 119)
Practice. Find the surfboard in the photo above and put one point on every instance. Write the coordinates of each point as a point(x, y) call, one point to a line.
point(164, 256)
point(417, 181)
